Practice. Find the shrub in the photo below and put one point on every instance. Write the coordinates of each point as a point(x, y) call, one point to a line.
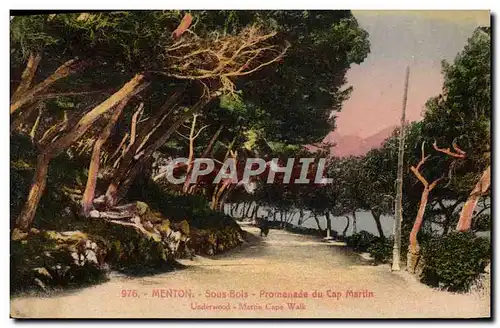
point(361, 241)
point(381, 249)
point(455, 261)
point(42, 260)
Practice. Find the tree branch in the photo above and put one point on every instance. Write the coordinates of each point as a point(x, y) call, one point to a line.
point(459, 152)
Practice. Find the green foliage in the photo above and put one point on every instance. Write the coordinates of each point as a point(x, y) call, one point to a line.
point(361, 241)
point(310, 83)
point(65, 172)
point(462, 112)
point(482, 223)
point(381, 249)
point(28, 32)
point(455, 261)
point(127, 39)
point(298, 94)
point(49, 261)
point(23, 158)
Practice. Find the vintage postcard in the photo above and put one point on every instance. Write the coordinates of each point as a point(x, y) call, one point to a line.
point(179, 164)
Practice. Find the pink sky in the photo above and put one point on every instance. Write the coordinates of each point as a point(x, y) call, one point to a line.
point(418, 39)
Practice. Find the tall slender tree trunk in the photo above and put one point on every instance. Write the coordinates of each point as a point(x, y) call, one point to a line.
point(187, 182)
point(88, 195)
point(255, 213)
point(243, 209)
point(354, 226)
point(398, 207)
point(247, 214)
point(26, 217)
point(481, 187)
point(205, 154)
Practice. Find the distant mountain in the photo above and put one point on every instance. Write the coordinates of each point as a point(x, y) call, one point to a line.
point(352, 145)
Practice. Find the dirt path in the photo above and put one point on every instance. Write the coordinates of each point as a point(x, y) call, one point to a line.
point(245, 282)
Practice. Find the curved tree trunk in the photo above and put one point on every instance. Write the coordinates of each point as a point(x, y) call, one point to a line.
point(481, 187)
point(317, 222)
point(413, 254)
point(26, 217)
point(346, 226)
point(217, 194)
point(376, 217)
point(224, 198)
point(414, 247)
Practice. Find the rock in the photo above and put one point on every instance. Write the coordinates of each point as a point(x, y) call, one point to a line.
point(146, 214)
point(91, 256)
point(40, 283)
point(42, 271)
point(94, 214)
point(142, 208)
point(183, 226)
point(18, 234)
point(148, 226)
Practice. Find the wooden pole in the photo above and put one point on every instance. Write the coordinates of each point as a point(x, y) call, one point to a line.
point(398, 207)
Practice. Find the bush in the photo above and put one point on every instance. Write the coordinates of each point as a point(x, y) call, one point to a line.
point(381, 249)
point(455, 261)
point(361, 241)
point(48, 259)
